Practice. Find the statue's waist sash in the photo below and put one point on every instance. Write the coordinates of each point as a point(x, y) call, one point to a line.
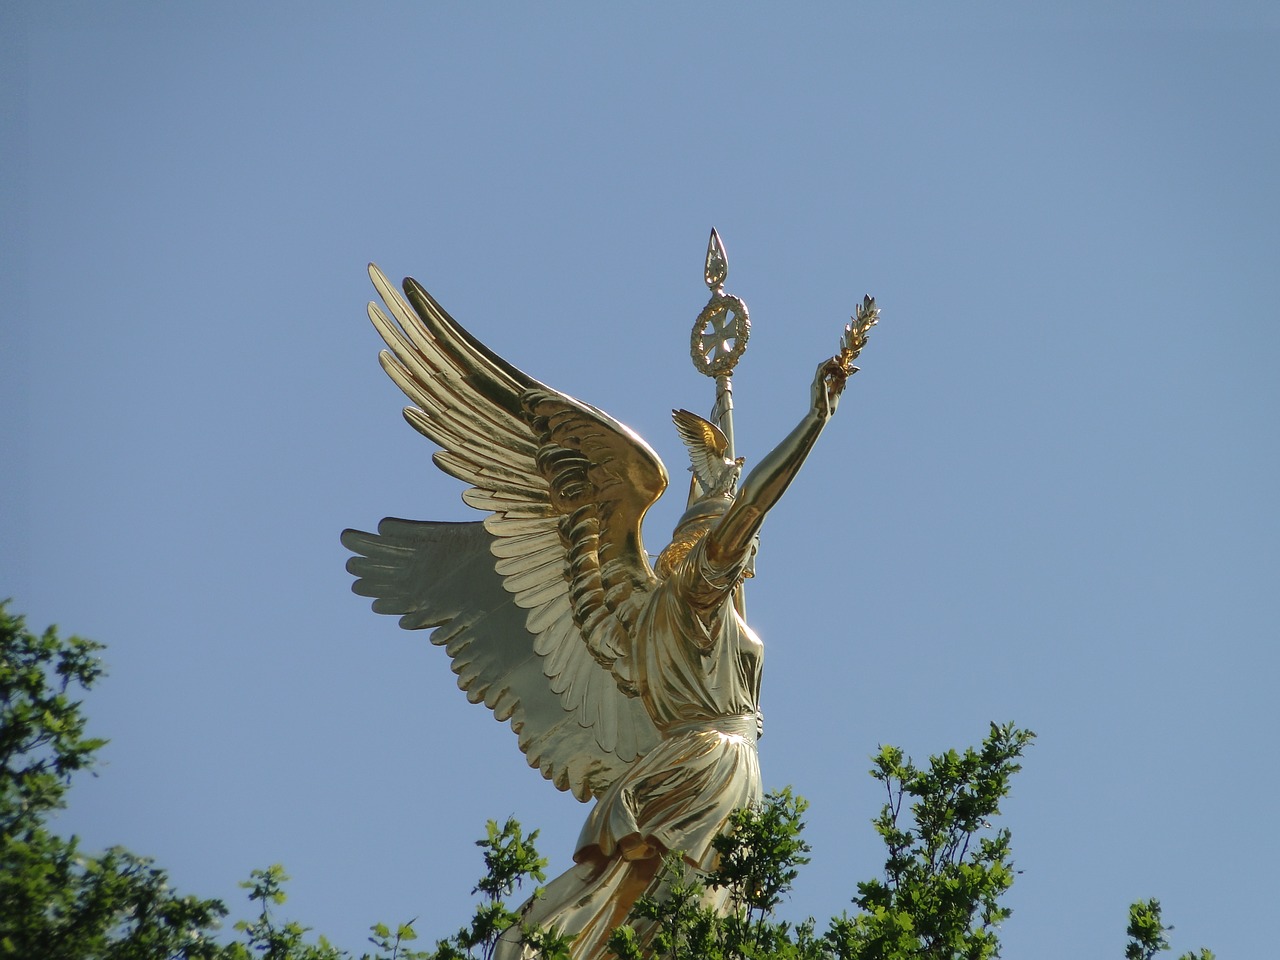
point(738, 725)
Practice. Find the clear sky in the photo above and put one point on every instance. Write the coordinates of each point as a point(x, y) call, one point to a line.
point(1049, 497)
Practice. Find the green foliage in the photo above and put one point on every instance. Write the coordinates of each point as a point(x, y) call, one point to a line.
point(939, 899)
point(760, 853)
point(267, 937)
point(59, 903)
point(758, 860)
point(390, 945)
point(682, 927)
point(1146, 934)
point(42, 732)
point(946, 868)
point(945, 872)
point(55, 901)
point(510, 858)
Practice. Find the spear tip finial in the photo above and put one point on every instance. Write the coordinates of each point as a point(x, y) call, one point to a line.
point(717, 268)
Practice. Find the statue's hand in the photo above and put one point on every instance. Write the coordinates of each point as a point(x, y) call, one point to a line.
point(828, 384)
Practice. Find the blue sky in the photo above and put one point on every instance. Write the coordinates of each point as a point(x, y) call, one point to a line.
point(1049, 496)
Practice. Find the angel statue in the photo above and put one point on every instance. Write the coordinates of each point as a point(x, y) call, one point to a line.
point(634, 685)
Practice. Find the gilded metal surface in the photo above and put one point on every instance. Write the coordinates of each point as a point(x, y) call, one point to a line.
point(865, 316)
point(720, 335)
point(635, 688)
point(719, 339)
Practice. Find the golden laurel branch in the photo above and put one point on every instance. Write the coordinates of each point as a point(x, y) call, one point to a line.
point(865, 316)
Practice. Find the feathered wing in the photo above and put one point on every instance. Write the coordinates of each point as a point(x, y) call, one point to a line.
point(534, 605)
point(707, 446)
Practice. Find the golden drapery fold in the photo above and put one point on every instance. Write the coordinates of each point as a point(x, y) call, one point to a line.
point(700, 669)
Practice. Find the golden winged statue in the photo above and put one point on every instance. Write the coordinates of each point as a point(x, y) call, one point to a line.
point(632, 685)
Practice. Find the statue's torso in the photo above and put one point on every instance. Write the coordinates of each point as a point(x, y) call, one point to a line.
point(700, 682)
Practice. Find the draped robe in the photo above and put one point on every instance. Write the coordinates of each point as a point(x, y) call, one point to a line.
point(699, 667)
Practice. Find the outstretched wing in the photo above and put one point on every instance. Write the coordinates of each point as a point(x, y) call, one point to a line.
point(566, 488)
point(441, 576)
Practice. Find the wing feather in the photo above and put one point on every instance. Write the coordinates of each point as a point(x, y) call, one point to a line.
point(533, 604)
point(483, 631)
point(496, 502)
point(523, 544)
point(707, 446)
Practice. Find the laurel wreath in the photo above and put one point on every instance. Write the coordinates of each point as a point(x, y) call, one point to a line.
point(740, 332)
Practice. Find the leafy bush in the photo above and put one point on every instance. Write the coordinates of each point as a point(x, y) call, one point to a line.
point(946, 865)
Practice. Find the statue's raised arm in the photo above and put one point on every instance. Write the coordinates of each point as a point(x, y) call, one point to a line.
point(634, 686)
point(764, 486)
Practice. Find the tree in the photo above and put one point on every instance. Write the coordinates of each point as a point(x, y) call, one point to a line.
point(946, 865)
point(944, 872)
point(56, 901)
point(59, 903)
point(1146, 934)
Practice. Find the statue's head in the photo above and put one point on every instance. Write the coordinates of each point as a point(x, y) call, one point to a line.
point(702, 515)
